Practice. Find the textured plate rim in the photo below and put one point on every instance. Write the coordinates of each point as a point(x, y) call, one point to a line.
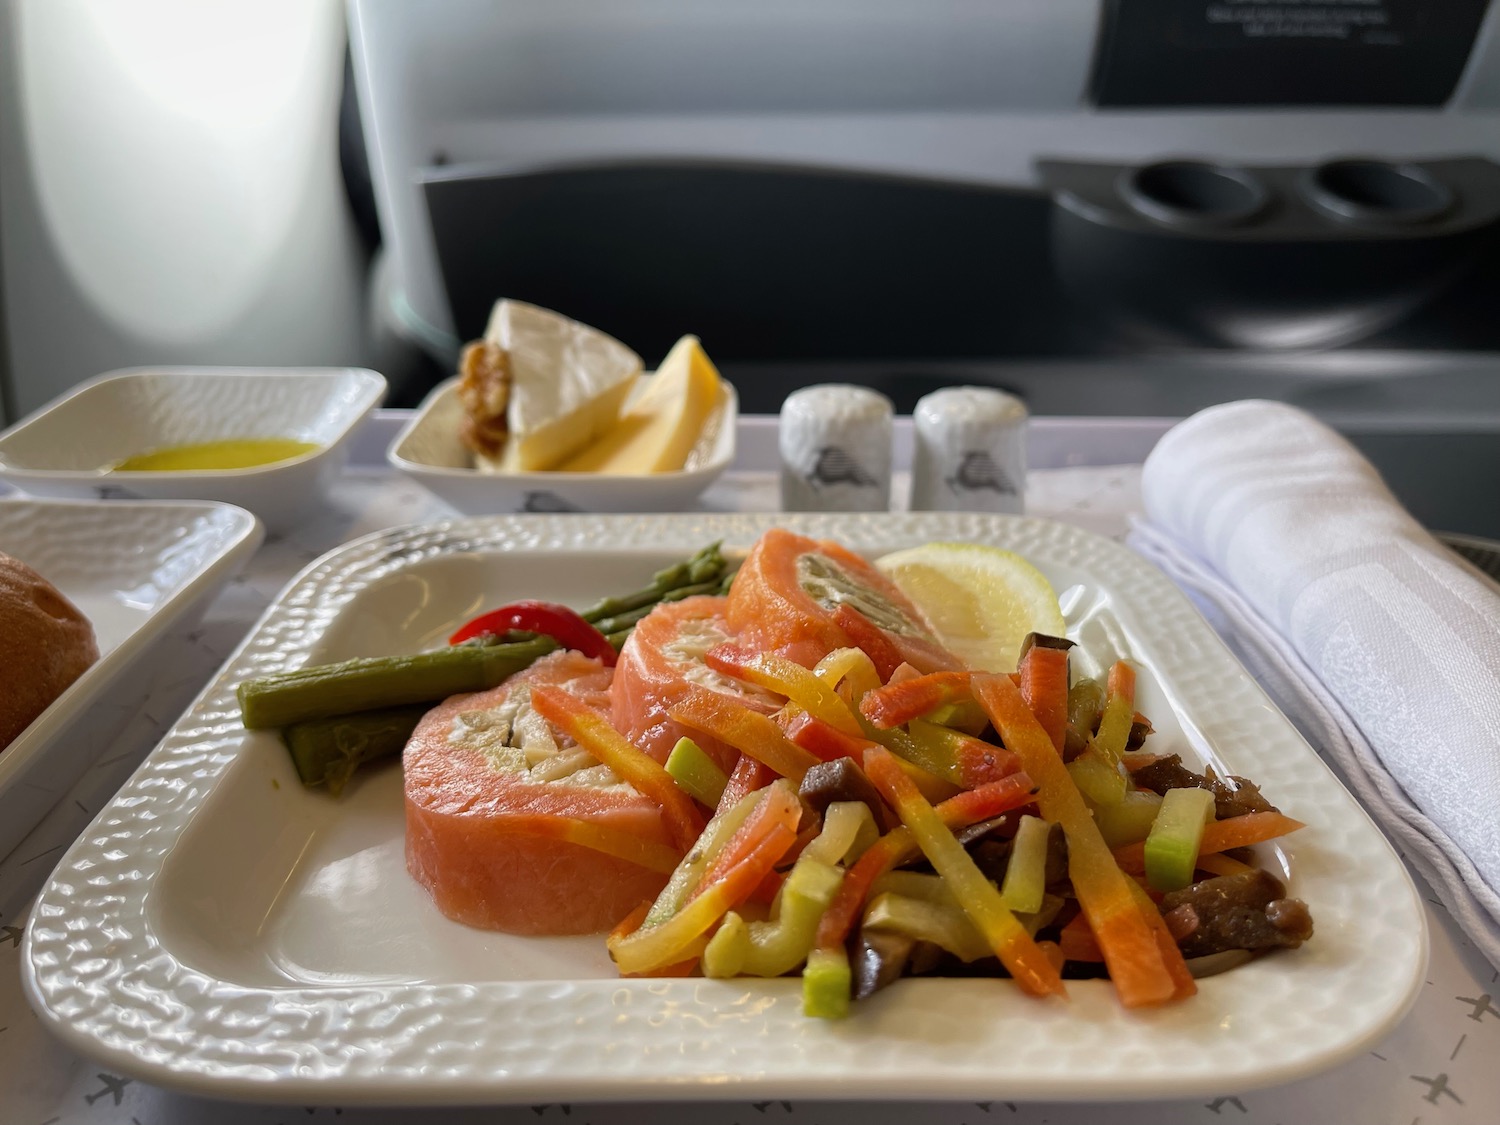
point(240, 540)
point(101, 980)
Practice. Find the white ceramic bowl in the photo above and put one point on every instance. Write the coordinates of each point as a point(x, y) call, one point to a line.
point(428, 450)
point(66, 449)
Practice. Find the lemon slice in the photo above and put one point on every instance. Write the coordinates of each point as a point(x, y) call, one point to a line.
point(980, 601)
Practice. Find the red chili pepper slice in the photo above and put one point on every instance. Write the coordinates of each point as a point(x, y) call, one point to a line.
point(559, 622)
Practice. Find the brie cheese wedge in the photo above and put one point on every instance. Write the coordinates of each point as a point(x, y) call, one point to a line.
point(568, 383)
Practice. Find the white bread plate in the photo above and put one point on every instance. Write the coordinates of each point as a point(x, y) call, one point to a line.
point(66, 449)
point(428, 450)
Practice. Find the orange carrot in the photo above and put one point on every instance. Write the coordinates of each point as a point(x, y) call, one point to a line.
point(778, 806)
point(748, 776)
point(900, 702)
point(786, 678)
point(823, 741)
point(1220, 836)
point(1136, 960)
point(1077, 941)
point(1044, 686)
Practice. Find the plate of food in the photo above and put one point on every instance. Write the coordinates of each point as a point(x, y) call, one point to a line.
point(551, 415)
point(86, 587)
point(844, 831)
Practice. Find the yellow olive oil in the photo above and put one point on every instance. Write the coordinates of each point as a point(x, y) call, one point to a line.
point(233, 453)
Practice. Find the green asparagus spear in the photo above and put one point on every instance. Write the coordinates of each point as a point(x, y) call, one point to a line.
point(367, 683)
point(328, 751)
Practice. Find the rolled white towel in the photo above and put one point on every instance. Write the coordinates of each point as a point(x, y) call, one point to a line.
point(1381, 643)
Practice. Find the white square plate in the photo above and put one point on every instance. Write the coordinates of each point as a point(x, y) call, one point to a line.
point(222, 930)
point(67, 448)
point(136, 570)
point(429, 451)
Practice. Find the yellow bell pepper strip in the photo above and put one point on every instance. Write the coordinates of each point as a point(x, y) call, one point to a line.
point(975, 893)
point(826, 983)
point(787, 678)
point(667, 943)
point(696, 773)
point(747, 731)
point(594, 733)
point(1136, 962)
point(632, 922)
point(897, 845)
point(1044, 687)
point(1025, 879)
point(896, 704)
point(851, 673)
point(1119, 713)
point(1220, 836)
point(1171, 848)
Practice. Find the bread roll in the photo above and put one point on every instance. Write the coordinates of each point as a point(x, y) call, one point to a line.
point(45, 644)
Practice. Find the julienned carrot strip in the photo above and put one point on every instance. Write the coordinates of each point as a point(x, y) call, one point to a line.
point(787, 678)
point(897, 845)
point(1219, 864)
point(1077, 941)
point(595, 734)
point(748, 776)
point(825, 742)
point(1032, 969)
point(1044, 686)
point(778, 805)
point(601, 838)
point(666, 944)
point(866, 636)
point(1140, 759)
point(747, 731)
point(1183, 984)
point(1126, 935)
point(898, 703)
point(1220, 836)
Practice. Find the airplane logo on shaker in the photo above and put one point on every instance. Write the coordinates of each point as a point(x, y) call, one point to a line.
point(835, 466)
point(978, 471)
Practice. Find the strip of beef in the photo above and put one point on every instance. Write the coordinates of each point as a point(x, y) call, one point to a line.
point(1245, 911)
point(1233, 796)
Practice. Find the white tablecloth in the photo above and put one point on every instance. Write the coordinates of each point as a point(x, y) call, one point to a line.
point(1440, 1065)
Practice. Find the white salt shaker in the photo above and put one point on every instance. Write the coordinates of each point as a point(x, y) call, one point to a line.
point(835, 444)
point(970, 451)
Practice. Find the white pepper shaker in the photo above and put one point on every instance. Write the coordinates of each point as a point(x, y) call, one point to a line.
point(835, 442)
point(969, 453)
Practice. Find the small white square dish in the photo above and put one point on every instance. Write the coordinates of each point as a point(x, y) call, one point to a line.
point(428, 450)
point(72, 447)
point(135, 571)
point(225, 931)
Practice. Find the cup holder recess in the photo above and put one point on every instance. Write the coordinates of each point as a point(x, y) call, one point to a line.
point(1193, 195)
point(1375, 193)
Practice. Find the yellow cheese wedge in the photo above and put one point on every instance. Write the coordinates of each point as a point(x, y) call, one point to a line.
point(659, 431)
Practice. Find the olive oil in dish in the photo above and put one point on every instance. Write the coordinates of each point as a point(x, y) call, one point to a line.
point(232, 453)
